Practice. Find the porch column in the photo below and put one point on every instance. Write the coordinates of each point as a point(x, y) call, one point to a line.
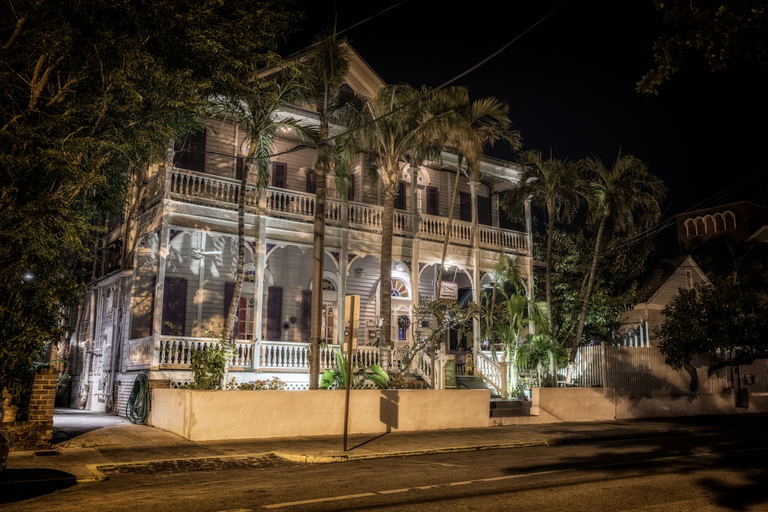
point(341, 314)
point(260, 253)
point(162, 254)
point(416, 242)
point(475, 267)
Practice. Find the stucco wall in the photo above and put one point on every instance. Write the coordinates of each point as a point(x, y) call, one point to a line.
point(696, 405)
point(212, 415)
point(554, 405)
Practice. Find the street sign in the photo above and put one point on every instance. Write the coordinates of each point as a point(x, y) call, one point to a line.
point(449, 290)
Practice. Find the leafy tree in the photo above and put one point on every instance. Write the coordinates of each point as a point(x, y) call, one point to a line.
point(719, 31)
point(90, 91)
point(553, 186)
point(630, 197)
point(712, 319)
point(473, 126)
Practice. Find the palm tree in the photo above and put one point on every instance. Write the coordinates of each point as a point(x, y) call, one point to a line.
point(551, 185)
point(400, 120)
point(628, 195)
point(255, 107)
point(326, 69)
point(475, 125)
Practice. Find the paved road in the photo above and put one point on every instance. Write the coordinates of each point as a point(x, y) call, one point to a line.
point(684, 473)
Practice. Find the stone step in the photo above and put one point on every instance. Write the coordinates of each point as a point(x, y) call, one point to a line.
point(506, 408)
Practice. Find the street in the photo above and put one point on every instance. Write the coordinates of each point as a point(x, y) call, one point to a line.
point(724, 471)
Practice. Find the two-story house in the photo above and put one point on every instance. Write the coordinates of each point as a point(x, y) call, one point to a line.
point(165, 277)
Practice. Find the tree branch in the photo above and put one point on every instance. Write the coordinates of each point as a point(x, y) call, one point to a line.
point(16, 32)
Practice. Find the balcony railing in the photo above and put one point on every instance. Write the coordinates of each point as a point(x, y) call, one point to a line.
point(210, 190)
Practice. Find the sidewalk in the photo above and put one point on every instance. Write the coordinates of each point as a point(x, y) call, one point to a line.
point(90, 445)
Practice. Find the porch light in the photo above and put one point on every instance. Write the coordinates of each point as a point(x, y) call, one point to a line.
point(359, 272)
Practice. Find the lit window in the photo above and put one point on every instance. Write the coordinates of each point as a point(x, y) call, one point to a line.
point(399, 289)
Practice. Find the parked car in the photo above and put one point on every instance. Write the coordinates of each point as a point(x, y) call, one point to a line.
point(5, 445)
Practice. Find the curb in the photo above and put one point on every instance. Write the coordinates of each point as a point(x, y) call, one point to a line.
point(327, 459)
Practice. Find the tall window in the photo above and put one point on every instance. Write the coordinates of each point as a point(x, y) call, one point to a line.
point(280, 175)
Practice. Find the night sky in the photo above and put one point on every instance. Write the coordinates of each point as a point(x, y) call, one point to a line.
point(570, 83)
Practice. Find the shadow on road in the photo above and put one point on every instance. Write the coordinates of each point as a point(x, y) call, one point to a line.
point(23, 484)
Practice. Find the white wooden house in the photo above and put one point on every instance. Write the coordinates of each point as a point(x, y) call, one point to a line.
point(170, 259)
point(639, 326)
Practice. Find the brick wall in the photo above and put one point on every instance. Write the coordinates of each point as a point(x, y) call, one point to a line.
point(36, 432)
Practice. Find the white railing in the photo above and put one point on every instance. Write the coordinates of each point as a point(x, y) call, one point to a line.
point(291, 356)
point(494, 373)
point(432, 227)
point(178, 351)
point(422, 364)
point(365, 217)
point(215, 190)
point(492, 237)
point(221, 192)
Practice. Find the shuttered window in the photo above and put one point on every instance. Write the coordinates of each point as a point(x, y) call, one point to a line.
point(484, 210)
point(240, 324)
point(311, 181)
point(190, 153)
point(400, 199)
point(280, 175)
point(240, 168)
point(274, 313)
point(306, 315)
point(465, 207)
point(351, 192)
point(174, 306)
point(433, 207)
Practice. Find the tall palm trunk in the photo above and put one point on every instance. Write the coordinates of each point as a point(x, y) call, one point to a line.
point(385, 284)
point(228, 337)
point(318, 262)
point(585, 303)
point(449, 224)
point(548, 288)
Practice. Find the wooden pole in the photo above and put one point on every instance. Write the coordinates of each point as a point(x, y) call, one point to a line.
point(348, 340)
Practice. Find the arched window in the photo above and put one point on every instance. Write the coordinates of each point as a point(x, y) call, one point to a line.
point(700, 228)
point(709, 224)
point(719, 222)
point(328, 285)
point(690, 228)
point(400, 289)
point(730, 220)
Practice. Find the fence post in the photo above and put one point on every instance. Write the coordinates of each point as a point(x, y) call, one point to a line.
point(504, 366)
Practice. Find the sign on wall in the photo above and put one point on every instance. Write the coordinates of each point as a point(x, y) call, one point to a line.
point(449, 290)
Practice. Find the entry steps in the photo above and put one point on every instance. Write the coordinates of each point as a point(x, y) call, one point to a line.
point(508, 408)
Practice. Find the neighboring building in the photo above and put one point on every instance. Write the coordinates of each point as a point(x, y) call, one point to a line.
point(639, 326)
point(736, 220)
point(170, 259)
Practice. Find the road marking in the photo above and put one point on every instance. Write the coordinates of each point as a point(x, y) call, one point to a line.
point(500, 478)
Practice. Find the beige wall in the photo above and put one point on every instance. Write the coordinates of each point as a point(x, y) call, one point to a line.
point(212, 415)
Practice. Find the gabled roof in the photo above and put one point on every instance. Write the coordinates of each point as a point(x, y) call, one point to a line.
point(664, 272)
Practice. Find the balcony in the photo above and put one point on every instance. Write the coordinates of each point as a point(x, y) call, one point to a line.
point(218, 192)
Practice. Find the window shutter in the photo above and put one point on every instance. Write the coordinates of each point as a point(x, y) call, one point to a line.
point(174, 305)
point(311, 181)
point(190, 154)
point(306, 315)
point(242, 318)
point(432, 201)
point(351, 192)
point(400, 199)
point(484, 211)
point(274, 313)
point(465, 207)
point(152, 307)
point(279, 175)
point(239, 167)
